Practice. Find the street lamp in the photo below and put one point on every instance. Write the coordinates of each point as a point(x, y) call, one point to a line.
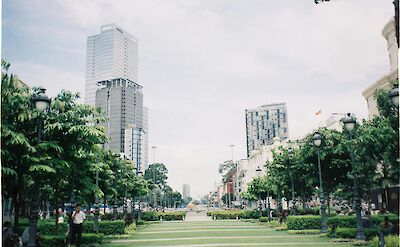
point(42, 103)
point(317, 142)
point(349, 124)
point(154, 177)
point(258, 174)
point(290, 151)
point(394, 95)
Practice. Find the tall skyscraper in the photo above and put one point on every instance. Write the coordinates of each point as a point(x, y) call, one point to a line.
point(109, 55)
point(185, 191)
point(264, 123)
point(111, 83)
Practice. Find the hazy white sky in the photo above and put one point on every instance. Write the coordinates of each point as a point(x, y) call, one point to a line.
point(203, 62)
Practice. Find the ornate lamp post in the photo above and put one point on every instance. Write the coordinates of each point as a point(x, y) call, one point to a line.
point(42, 103)
point(258, 173)
point(290, 151)
point(349, 124)
point(317, 142)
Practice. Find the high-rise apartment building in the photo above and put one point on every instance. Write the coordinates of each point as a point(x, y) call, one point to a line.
point(185, 191)
point(265, 123)
point(109, 55)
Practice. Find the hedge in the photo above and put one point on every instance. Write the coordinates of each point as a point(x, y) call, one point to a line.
point(263, 219)
point(224, 215)
point(314, 222)
point(309, 231)
point(303, 222)
point(168, 216)
point(237, 214)
point(105, 227)
point(351, 232)
point(59, 240)
point(308, 211)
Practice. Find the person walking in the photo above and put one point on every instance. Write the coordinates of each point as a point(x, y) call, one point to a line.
point(78, 217)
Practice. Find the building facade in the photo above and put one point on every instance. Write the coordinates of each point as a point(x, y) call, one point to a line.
point(111, 54)
point(386, 81)
point(185, 191)
point(265, 123)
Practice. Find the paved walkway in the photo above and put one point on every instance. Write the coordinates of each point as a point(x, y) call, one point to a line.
point(200, 231)
point(194, 216)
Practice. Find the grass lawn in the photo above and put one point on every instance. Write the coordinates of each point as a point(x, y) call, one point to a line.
point(218, 233)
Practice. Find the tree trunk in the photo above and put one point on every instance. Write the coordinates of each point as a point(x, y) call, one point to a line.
point(105, 202)
point(17, 201)
point(328, 200)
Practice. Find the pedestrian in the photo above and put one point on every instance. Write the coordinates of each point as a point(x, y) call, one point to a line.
point(385, 229)
point(78, 217)
point(10, 239)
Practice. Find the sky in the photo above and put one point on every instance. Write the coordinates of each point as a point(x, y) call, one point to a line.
point(203, 62)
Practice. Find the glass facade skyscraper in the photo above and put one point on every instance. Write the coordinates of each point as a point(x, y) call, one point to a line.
point(111, 83)
point(109, 55)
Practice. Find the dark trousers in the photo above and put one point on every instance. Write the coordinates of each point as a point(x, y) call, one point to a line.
point(76, 234)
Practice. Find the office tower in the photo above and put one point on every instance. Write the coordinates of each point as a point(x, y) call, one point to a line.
point(111, 54)
point(264, 123)
point(186, 191)
point(122, 101)
point(111, 83)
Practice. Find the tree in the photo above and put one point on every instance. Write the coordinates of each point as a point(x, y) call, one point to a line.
point(24, 160)
point(156, 175)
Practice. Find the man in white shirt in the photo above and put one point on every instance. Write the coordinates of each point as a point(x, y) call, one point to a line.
point(78, 217)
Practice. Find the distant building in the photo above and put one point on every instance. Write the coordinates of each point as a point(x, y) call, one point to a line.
point(109, 55)
point(389, 32)
point(185, 191)
point(265, 123)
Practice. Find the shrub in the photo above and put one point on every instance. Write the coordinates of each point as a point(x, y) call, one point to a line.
point(228, 214)
point(168, 216)
point(308, 211)
point(59, 240)
point(105, 227)
point(310, 231)
point(250, 214)
point(140, 222)
point(263, 219)
point(111, 227)
point(351, 232)
point(342, 221)
point(303, 222)
point(131, 228)
point(390, 241)
point(273, 223)
point(149, 216)
point(237, 214)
